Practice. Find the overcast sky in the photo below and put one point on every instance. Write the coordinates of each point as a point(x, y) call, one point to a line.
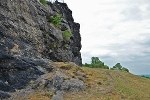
point(115, 31)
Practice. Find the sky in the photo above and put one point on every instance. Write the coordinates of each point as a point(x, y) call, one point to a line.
point(116, 31)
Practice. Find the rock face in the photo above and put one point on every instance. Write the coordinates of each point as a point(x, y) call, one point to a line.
point(29, 42)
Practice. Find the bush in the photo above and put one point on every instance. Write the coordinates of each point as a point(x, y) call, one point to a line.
point(125, 69)
point(119, 67)
point(44, 2)
point(66, 45)
point(145, 76)
point(54, 45)
point(56, 20)
point(96, 63)
point(67, 34)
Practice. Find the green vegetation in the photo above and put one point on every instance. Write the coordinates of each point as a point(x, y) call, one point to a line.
point(67, 34)
point(54, 45)
point(66, 45)
point(44, 2)
point(56, 20)
point(119, 67)
point(125, 69)
point(145, 76)
point(47, 35)
point(96, 63)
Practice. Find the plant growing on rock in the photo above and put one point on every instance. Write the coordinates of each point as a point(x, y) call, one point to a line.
point(67, 34)
point(55, 45)
point(47, 35)
point(44, 2)
point(56, 20)
point(66, 45)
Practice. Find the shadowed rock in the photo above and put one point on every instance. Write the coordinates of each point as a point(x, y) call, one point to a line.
point(4, 95)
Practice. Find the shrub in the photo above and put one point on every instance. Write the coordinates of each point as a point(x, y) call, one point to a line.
point(96, 63)
point(145, 76)
point(66, 45)
point(47, 35)
point(67, 34)
point(125, 69)
point(56, 20)
point(44, 2)
point(55, 45)
point(119, 67)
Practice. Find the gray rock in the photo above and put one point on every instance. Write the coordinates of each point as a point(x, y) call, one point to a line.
point(55, 83)
point(58, 96)
point(75, 29)
point(73, 85)
point(28, 25)
point(4, 95)
point(62, 55)
point(28, 42)
point(5, 87)
point(61, 82)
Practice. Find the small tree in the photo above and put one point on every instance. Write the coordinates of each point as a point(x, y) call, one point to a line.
point(125, 69)
point(87, 65)
point(95, 60)
point(117, 66)
point(96, 63)
point(106, 67)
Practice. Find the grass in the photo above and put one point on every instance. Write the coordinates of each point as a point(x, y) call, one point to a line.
point(41, 95)
point(122, 86)
point(101, 84)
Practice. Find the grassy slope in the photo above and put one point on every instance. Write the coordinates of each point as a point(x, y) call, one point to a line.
point(103, 84)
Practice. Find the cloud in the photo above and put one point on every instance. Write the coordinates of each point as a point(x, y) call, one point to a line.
point(133, 13)
point(115, 31)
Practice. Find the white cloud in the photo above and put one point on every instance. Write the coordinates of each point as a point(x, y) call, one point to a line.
point(115, 31)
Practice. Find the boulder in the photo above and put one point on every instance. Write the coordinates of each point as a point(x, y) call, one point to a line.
point(73, 85)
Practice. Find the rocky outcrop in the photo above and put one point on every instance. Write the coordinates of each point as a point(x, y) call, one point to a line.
point(61, 82)
point(29, 42)
point(26, 22)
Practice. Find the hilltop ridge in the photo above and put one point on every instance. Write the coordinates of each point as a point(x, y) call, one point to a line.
point(40, 58)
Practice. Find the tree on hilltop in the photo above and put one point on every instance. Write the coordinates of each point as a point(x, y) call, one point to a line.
point(119, 67)
point(96, 63)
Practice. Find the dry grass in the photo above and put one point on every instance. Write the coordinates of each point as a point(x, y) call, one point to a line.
point(102, 84)
point(118, 85)
point(41, 95)
point(69, 69)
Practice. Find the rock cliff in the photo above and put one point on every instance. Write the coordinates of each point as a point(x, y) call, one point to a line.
point(29, 42)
